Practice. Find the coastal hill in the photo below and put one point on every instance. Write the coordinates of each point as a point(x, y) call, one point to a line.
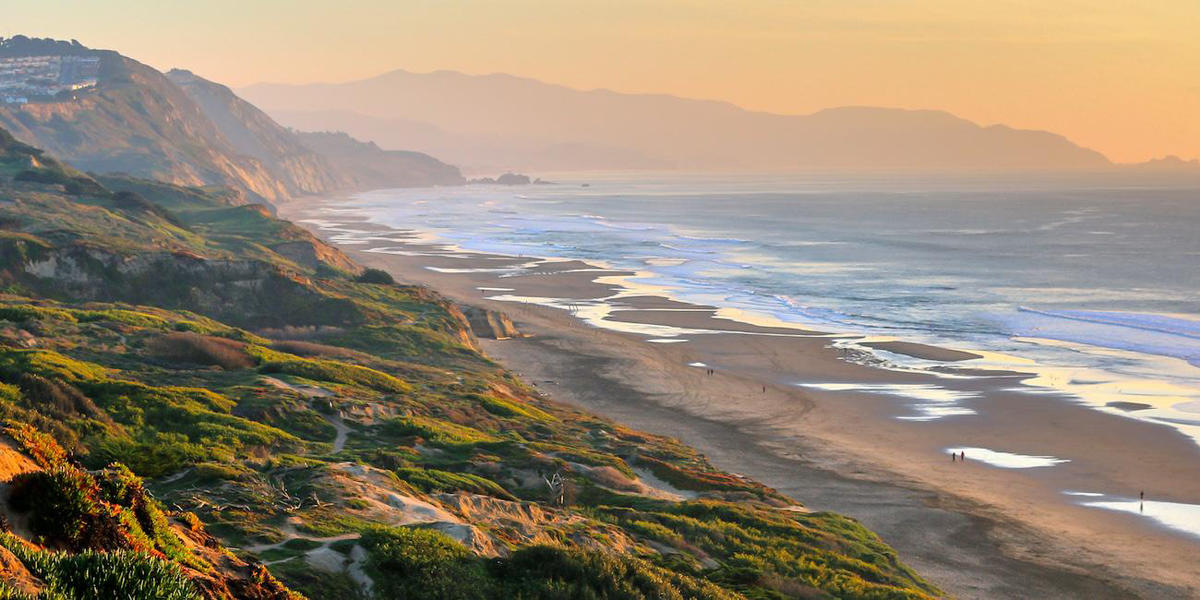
point(252, 133)
point(495, 121)
point(314, 162)
point(199, 400)
point(366, 166)
point(134, 120)
point(178, 128)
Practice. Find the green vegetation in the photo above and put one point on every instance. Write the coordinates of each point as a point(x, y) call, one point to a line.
point(434, 480)
point(79, 510)
point(279, 402)
point(426, 565)
point(337, 372)
point(90, 574)
point(375, 276)
point(505, 408)
point(437, 432)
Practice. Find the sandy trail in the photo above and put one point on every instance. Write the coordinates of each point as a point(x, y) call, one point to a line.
point(343, 431)
point(316, 394)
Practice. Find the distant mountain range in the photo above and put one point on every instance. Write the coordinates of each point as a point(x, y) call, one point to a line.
point(183, 129)
point(122, 116)
point(501, 121)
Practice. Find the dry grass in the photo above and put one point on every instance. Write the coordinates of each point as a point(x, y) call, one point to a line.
point(199, 349)
point(311, 349)
point(612, 478)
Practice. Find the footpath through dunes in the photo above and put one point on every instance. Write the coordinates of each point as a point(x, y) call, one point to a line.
point(221, 405)
point(976, 530)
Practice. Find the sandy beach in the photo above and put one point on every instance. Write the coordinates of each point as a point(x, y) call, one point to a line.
point(786, 408)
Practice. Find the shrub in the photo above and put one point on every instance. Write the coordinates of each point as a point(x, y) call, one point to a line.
point(433, 480)
point(59, 399)
point(19, 313)
point(423, 564)
point(408, 342)
point(287, 411)
point(685, 478)
point(202, 350)
point(41, 447)
point(378, 276)
point(506, 408)
point(10, 393)
point(65, 508)
point(48, 363)
point(91, 574)
point(326, 370)
point(551, 572)
point(119, 486)
point(435, 431)
point(172, 427)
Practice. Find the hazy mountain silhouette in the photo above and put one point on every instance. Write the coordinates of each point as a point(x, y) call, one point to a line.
point(1166, 164)
point(501, 120)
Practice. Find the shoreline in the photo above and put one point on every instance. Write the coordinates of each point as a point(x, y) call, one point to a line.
point(838, 450)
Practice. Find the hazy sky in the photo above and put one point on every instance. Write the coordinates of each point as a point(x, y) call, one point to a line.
point(1120, 76)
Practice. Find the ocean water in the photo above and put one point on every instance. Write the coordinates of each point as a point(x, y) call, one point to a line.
point(1091, 283)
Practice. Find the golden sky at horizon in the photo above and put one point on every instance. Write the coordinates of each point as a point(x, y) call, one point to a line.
point(1118, 76)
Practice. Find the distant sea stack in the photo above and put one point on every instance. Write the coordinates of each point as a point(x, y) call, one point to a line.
point(508, 179)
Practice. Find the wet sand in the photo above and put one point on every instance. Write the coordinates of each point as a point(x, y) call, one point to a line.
point(923, 351)
point(974, 530)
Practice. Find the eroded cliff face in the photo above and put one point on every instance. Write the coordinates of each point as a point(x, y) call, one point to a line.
point(490, 324)
point(242, 291)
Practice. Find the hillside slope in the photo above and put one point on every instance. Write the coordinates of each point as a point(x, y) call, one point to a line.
point(182, 378)
point(136, 121)
point(367, 166)
point(252, 133)
point(501, 120)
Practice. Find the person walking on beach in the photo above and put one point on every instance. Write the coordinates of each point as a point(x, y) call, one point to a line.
point(953, 456)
